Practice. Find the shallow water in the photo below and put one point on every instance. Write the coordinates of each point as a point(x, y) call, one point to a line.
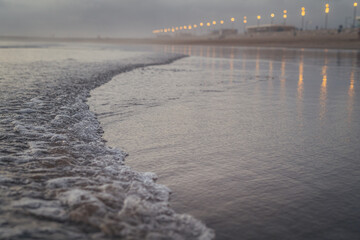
point(58, 178)
point(258, 143)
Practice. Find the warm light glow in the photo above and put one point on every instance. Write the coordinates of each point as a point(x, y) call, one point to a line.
point(285, 11)
point(189, 27)
point(173, 30)
point(208, 24)
point(201, 24)
point(245, 21)
point(272, 15)
point(185, 27)
point(327, 9)
point(221, 22)
point(165, 30)
point(195, 26)
point(285, 16)
point(324, 82)
point(176, 28)
point(351, 88)
point(323, 92)
point(302, 11)
point(259, 17)
point(355, 4)
point(232, 19)
point(181, 28)
point(324, 73)
point(245, 17)
point(214, 22)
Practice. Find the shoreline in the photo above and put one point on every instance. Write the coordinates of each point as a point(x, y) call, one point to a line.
point(321, 39)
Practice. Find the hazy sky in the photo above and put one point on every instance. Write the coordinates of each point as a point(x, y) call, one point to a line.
point(124, 18)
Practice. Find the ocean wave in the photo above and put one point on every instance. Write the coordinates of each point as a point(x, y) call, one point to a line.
point(66, 183)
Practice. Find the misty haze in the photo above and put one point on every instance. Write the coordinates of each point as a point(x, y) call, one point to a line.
point(179, 120)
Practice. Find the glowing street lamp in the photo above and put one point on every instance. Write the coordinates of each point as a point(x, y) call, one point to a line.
point(232, 22)
point(355, 6)
point(302, 17)
point(214, 23)
point(285, 16)
point(221, 22)
point(201, 25)
point(208, 24)
point(245, 21)
point(327, 10)
point(272, 18)
point(258, 20)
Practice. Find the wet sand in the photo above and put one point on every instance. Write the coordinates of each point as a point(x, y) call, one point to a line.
point(258, 143)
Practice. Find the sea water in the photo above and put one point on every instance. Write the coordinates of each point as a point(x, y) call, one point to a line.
point(58, 178)
point(259, 143)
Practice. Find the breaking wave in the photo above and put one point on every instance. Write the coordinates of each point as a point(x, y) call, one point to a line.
point(58, 178)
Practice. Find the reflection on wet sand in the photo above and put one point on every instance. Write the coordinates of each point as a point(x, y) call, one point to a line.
point(351, 94)
point(244, 58)
point(300, 88)
point(213, 62)
point(257, 68)
point(261, 142)
point(252, 60)
point(270, 77)
point(231, 65)
point(283, 78)
point(323, 90)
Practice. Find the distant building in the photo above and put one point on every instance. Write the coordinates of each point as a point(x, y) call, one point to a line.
point(227, 32)
point(163, 36)
point(270, 28)
point(215, 32)
point(183, 35)
point(223, 33)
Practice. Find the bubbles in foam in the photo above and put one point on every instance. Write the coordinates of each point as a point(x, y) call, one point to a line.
point(66, 183)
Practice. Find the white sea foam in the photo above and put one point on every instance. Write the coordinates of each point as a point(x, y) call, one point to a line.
point(67, 178)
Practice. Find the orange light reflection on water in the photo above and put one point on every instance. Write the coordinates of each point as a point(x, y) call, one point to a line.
point(300, 87)
point(351, 93)
point(257, 68)
point(270, 80)
point(231, 65)
point(323, 89)
point(283, 77)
